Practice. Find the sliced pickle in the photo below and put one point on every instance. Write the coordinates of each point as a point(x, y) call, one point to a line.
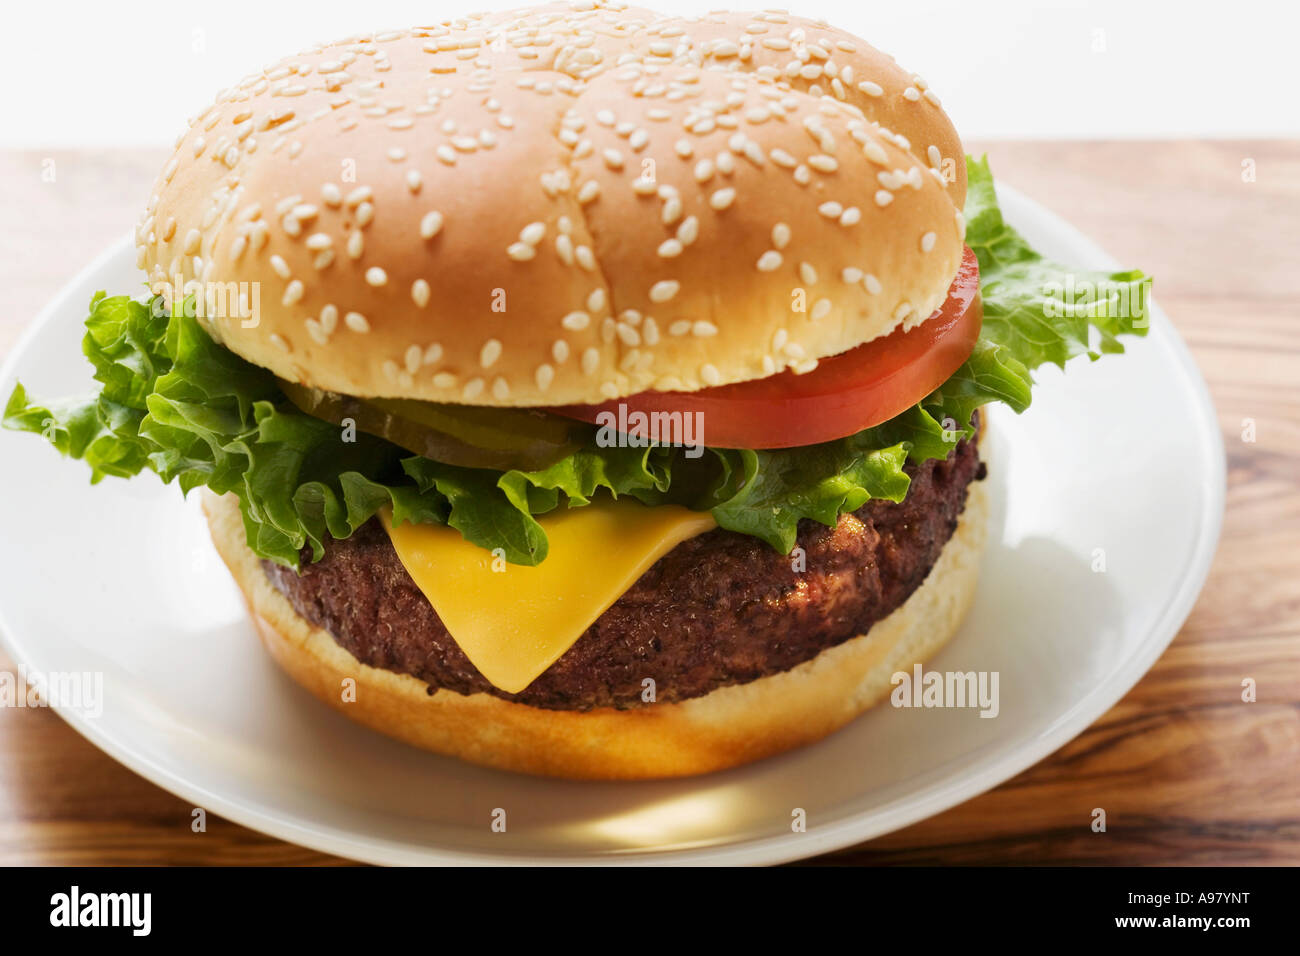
point(467, 435)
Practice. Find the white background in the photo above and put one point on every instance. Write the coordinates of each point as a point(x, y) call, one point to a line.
point(129, 73)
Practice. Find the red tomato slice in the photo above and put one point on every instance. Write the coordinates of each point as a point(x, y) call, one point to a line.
point(843, 395)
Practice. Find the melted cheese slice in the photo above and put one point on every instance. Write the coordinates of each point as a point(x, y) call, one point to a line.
point(514, 621)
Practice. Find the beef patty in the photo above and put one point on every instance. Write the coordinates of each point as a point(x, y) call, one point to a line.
point(721, 608)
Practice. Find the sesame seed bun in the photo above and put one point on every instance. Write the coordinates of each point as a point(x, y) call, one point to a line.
point(725, 728)
point(564, 204)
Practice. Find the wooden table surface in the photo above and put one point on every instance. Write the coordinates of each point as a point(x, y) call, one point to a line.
point(1188, 773)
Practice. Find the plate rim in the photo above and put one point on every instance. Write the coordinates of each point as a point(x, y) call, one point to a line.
point(778, 848)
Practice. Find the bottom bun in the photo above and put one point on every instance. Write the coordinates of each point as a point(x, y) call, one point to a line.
point(724, 728)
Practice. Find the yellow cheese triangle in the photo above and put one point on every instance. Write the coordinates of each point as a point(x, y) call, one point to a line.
point(514, 621)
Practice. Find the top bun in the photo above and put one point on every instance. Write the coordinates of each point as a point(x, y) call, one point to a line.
point(564, 204)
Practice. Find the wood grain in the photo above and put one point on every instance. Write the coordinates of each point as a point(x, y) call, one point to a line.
point(1187, 772)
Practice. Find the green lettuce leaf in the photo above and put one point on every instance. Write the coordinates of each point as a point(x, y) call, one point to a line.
point(174, 402)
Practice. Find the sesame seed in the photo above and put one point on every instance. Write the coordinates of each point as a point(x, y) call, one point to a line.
point(596, 300)
point(293, 293)
point(780, 235)
point(912, 94)
point(702, 329)
point(927, 241)
point(280, 266)
point(473, 389)
point(564, 249)
point(376, 276)
point(319, 240)
point(490, 352)
point(420, 292)
point(823, 163)
point(431, 224)
point(876, 153)
point(590, 361)
point(413, 181)
point(414, 354)
point(365, 213)
point(613, 158)
point(521, 251)
point(851, 274)
point(664, 290)
point(356, 244)
point(769, 261)
point(884, 197)
point(689, 230)
point(782, 158)
point(670, 248)
point(329, 319)
point(543, 376)
point(533, 233)
point(710, 374)
point(807, 273)
point(444, 380)
point(722, 198)
point(359, 195)
point(821, 309)
point(851, 216)
point(192, 240)
point(831, 210)
point(872, 284)
point(356, 322)
point(588, 191)
point(871, 89)
point(576, 321)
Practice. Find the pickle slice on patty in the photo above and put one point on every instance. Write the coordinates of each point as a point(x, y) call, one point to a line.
point(467, 435)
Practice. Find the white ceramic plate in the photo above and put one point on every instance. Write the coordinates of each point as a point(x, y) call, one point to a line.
point(1122, 455)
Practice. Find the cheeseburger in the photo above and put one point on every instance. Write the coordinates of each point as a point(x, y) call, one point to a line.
point(579, 390)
